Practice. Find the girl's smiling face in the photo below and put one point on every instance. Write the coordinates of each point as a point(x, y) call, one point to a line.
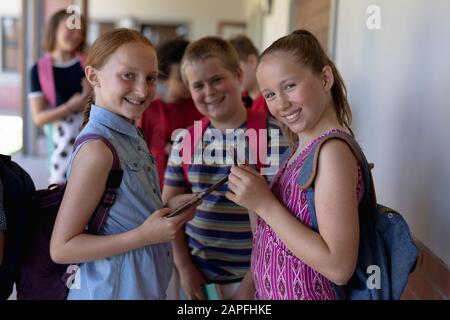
point(126, 83)
point(294, 94)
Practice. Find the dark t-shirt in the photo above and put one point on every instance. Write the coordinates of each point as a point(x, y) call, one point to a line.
point(67, 80)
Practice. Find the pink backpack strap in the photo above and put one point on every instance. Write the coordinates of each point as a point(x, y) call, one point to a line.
point(46, 79)
point(194, 140)
point(257, 120)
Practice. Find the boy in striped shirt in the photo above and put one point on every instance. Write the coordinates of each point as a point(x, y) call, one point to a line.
point(216, 245)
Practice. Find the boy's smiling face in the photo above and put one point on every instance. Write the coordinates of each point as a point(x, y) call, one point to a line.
point(214, 89)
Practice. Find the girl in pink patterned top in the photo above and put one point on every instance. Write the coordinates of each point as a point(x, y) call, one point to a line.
point(306, 93)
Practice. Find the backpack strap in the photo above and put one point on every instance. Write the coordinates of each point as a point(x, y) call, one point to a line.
point(257, 120)
point(308, 173)
point(112, 184)
point(194, 140)
point(285, 156)
point(46, 77)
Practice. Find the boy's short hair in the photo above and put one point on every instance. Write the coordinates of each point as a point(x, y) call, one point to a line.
point(211, 47)
point(244, 47)
point(170, 53)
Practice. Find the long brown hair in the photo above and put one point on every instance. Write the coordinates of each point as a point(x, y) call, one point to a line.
point(103, 48)
point(306, 49)
point(52, 27)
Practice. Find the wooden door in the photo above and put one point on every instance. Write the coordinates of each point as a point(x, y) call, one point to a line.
point(314, 16)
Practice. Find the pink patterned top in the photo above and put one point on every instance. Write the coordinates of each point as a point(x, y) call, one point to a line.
point(278, 273)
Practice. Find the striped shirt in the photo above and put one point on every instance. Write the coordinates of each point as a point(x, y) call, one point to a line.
point(219, 237)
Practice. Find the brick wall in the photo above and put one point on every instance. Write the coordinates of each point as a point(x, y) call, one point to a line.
point(430, 280)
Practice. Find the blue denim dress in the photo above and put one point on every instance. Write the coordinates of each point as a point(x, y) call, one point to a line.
point(143, 273)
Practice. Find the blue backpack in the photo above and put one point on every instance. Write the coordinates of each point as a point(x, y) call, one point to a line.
point(387, 253)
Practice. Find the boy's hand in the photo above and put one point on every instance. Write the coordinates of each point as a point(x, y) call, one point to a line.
point(192, 281)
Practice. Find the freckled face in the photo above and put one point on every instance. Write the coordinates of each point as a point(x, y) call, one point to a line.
point(294, 94)
point(127, 82)
point(214, 89)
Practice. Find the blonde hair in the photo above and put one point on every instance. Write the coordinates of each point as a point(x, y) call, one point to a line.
point(104, 47)
point(306, 49)
point(210, 47)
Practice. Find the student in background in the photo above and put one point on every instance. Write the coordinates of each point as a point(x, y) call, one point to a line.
point(248, 60)
point(305, 92)
point(131, 257)
point(173, 110)
point(216, 244)
point(59, 91)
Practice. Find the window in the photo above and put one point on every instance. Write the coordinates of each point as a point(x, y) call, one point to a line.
point(10, 33)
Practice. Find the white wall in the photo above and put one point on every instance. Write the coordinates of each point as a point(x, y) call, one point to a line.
point(272, 26)
point(399, 85)
point(277, 24)
point(10, 7)
point(255, 21)
point(201, 15)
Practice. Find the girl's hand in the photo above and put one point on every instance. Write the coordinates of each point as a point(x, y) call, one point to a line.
point(158, 228)
point(192, 281)
point(248, 188)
